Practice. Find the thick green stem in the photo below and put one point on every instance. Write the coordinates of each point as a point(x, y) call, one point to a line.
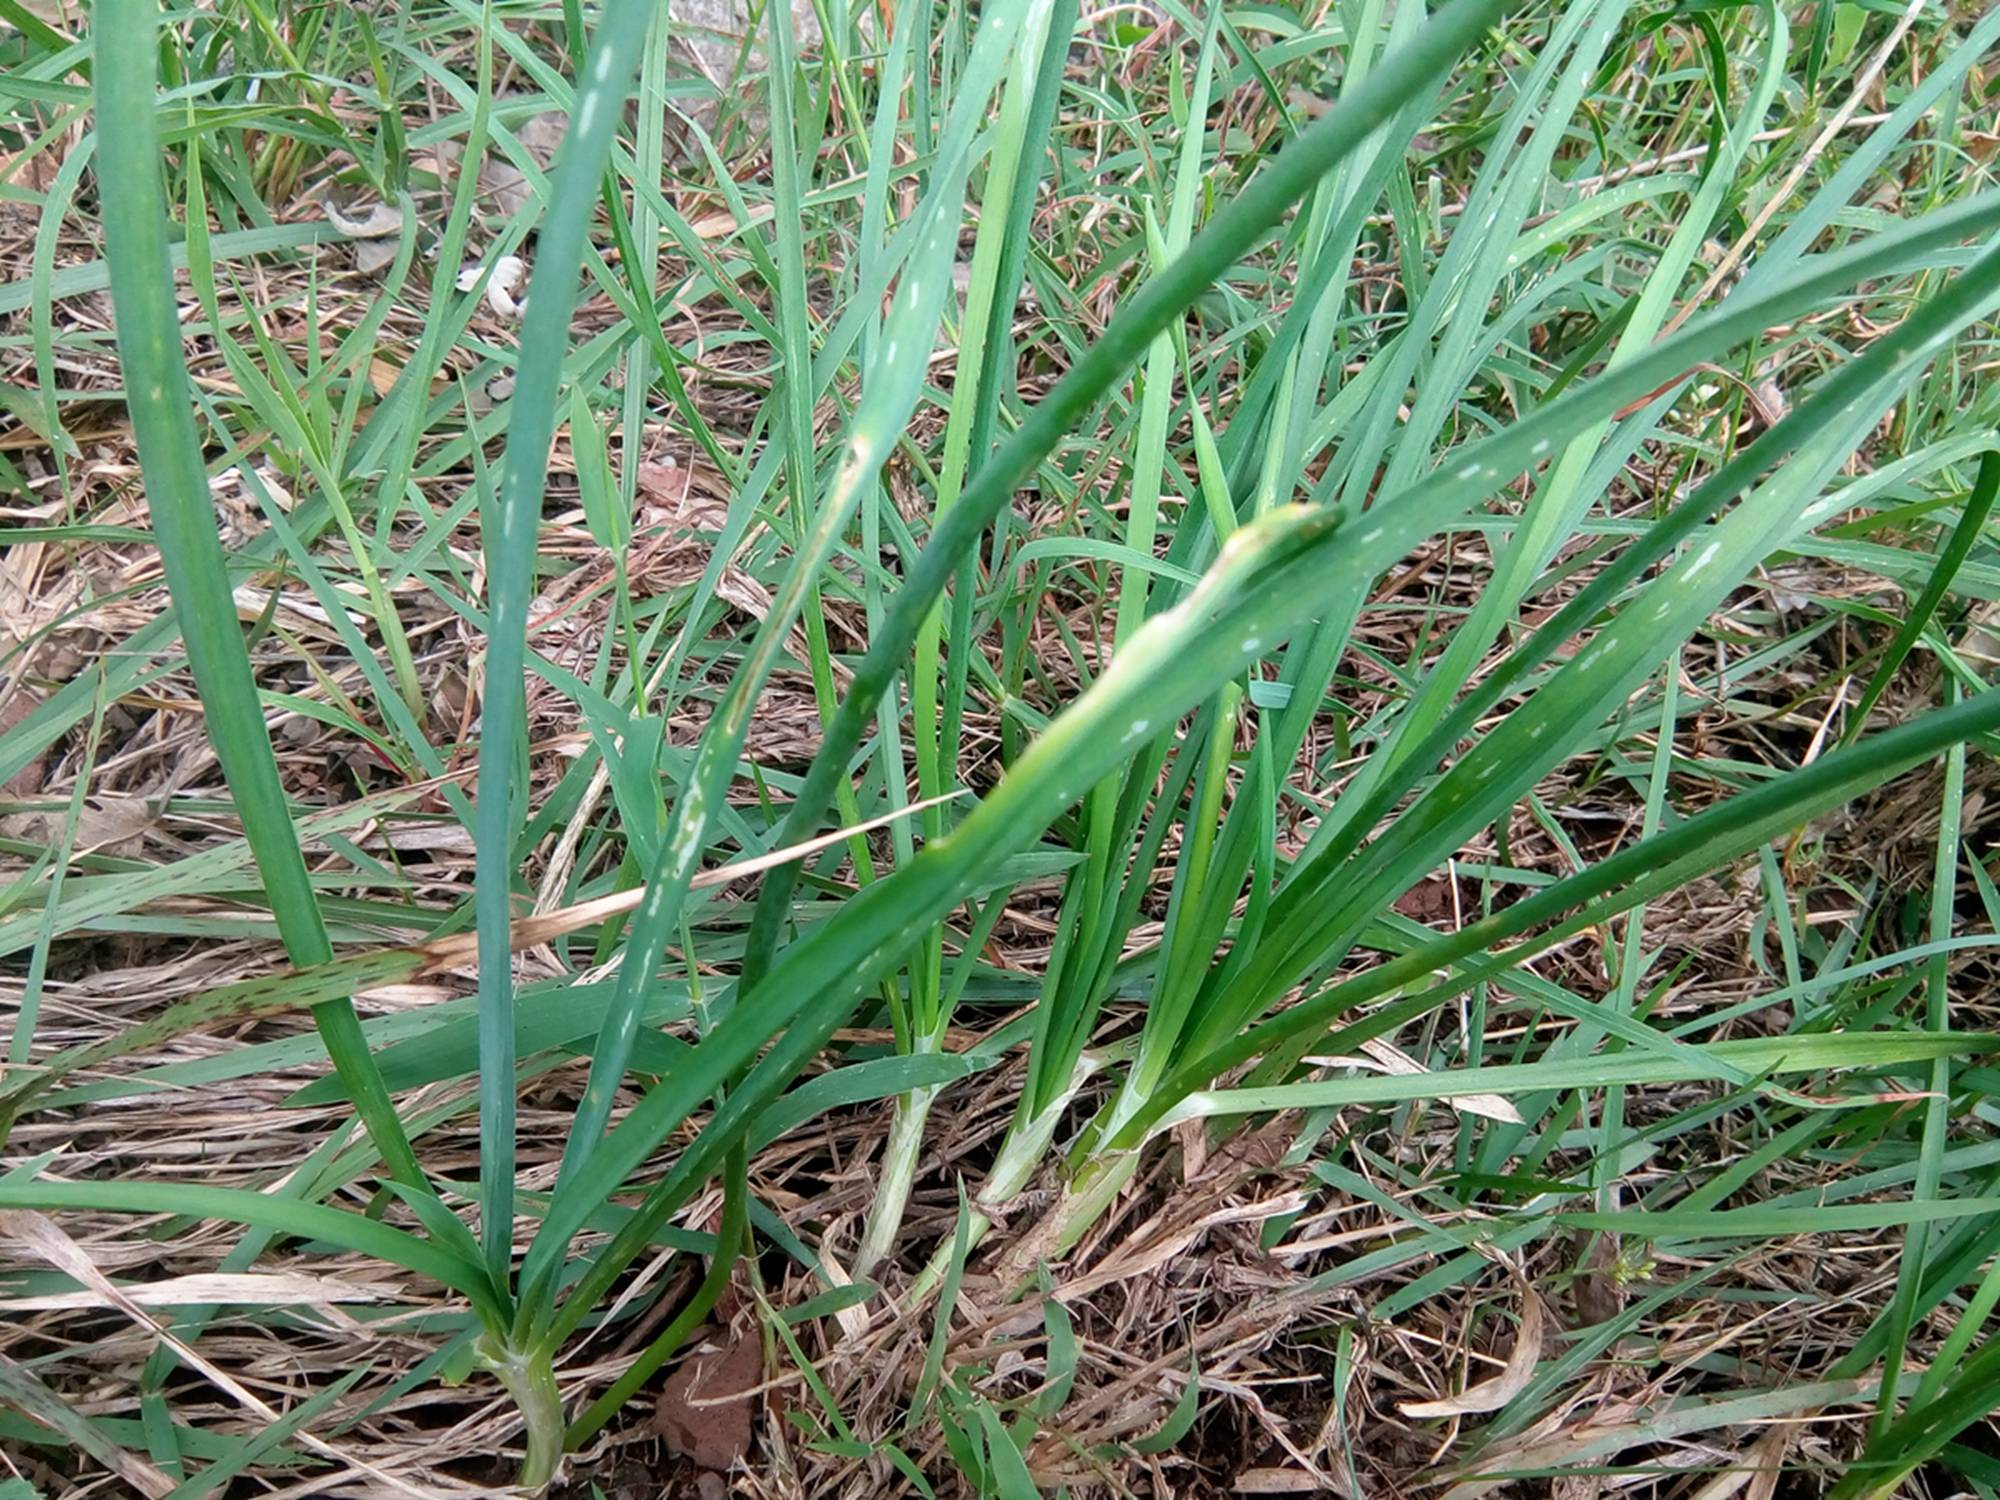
point(899, 1173)
point(530, 1379)
point(1021, 1154)
point(1083, 1202)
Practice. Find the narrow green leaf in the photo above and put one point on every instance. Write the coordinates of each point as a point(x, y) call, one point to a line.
point(149, 344)
point(1951, 557)
point(510, 538)
point(306, 1221)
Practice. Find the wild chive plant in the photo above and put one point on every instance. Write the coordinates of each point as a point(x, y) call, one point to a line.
point(1298, 484)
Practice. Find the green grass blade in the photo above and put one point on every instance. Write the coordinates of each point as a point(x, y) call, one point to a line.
point(1958, 546)
point(149, 343)
point(1723, 832)
point(1920, 1244)
point(1808, 1053)
point(305, 1221)
point(1229, 236)
point(24, 1391)
point(510, 538)
point(1543, 731)
point(891, 390)
point(1258, 590)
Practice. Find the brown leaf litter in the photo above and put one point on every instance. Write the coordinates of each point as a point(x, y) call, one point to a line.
point(706, 1408)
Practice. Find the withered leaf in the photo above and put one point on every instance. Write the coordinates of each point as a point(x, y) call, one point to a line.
point(706, 1408)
